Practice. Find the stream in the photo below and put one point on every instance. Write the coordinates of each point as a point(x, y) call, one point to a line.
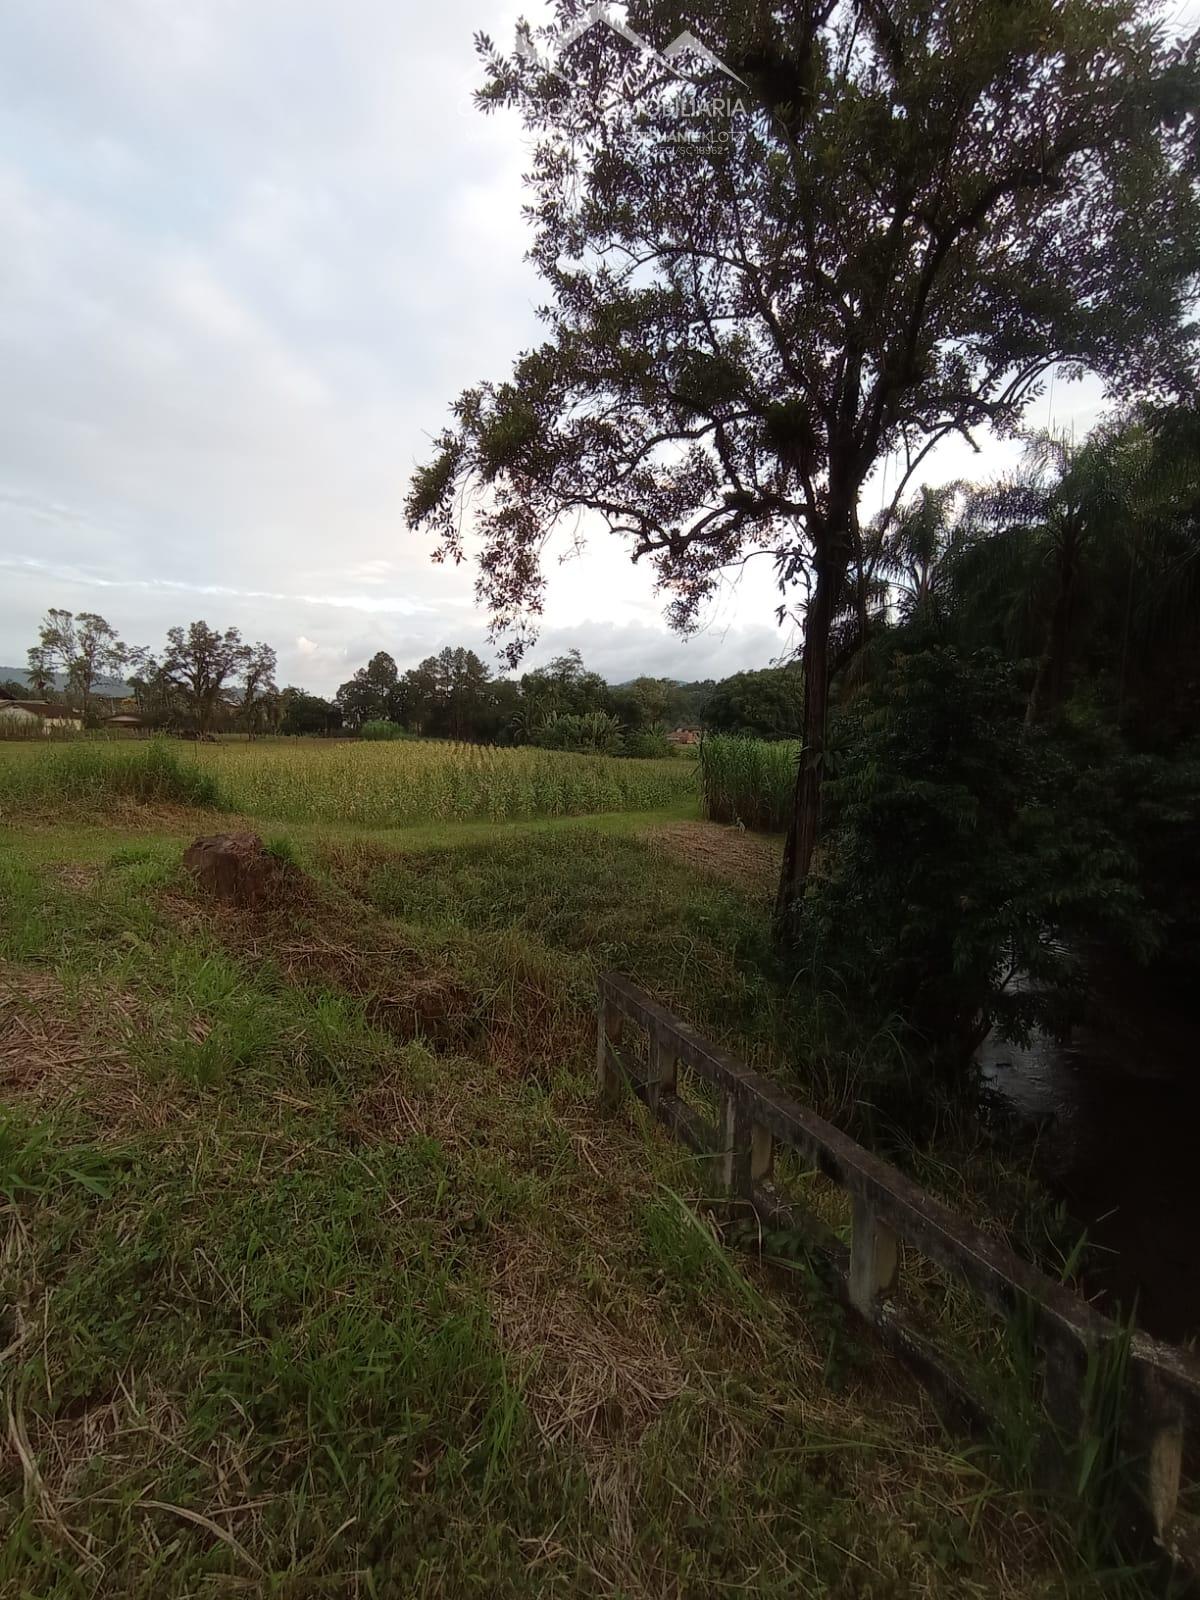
point(1118, 1114)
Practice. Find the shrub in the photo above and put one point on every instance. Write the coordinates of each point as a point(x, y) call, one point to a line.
point(382, 728)
point(651, 744)
point(964, 861)
point(594, 733)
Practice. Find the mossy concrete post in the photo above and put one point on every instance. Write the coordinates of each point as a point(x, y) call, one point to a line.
point(874, 1259)
point(746, 1149)
point(661, 1078)
point(1064, 1385)
point(1152, 1433)
point(608, 1071)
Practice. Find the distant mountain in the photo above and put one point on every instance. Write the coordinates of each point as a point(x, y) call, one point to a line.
point(111, 688)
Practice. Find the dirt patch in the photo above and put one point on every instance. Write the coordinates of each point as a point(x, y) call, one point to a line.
point(78, 878)
point(239, 870)
point(750, 860)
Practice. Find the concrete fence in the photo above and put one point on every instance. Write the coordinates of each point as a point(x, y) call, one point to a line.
point(892, 1215)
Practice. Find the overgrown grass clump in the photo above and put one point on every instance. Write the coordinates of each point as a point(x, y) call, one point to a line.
point(748, 780)
point(382, 728)
point(95, 774)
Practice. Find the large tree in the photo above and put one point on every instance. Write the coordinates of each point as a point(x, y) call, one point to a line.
point(83, 646)
point(1088, 556)
point(202, 662)
point(304, 713)
point(371, 694)
point(899, 216)
point(764, 705)
point(259, 700)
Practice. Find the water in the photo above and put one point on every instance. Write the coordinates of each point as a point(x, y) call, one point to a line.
point(1118, 1108)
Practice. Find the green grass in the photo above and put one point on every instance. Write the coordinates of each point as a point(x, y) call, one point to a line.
point(53, 774)
point(380, 784)
point(324, 1276)
point(748, 781)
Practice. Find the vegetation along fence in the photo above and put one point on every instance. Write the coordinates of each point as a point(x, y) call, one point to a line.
point(660, 1056)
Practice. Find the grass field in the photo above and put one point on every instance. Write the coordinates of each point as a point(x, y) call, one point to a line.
point(342, 781)
point(324, 1277)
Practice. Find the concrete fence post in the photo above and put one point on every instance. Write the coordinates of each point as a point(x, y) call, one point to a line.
point(1152, 1443)
point(663, 1069)
point(608, 1073)
point(745, 1152)
point(874, 1259)
point(1064, 1367)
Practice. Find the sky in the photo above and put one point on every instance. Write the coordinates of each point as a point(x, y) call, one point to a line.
point(252, 249)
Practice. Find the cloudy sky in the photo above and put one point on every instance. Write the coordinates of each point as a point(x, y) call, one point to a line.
point(251, 250)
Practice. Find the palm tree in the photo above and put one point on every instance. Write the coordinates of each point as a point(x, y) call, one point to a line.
point(902, 561)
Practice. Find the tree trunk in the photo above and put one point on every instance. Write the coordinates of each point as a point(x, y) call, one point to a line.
point(805, 819)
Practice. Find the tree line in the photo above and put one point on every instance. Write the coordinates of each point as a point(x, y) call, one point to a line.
point(210, 680)
point(203, 679)
point(563, 705)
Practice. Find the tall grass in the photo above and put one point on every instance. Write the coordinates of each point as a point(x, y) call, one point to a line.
point(386, 784)
point(381, 784)
point(98, 773)
point(748, 780)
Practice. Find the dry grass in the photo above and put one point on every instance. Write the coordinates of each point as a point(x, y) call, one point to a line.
point(748, 859)
point(58, 1050)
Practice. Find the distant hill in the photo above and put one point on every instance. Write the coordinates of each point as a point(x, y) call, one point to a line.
point(110, 688)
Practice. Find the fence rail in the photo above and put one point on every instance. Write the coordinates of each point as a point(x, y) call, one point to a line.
point(891, 1214)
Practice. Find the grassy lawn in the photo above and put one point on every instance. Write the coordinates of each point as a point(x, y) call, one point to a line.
point(324, 1277)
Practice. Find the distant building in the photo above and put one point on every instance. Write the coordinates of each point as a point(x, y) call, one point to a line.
point(125, 722)
point(37, 716)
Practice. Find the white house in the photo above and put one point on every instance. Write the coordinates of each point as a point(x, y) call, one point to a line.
point(37, 716)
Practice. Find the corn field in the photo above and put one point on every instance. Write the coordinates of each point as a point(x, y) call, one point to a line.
point(377, 784)
point(748, 781)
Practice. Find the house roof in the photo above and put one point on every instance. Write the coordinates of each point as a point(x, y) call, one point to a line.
point(41, 708)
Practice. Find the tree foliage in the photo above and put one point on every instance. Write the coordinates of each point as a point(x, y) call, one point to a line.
point(202, 663)
point(761, 705)
point(907, 213)
point(966, 861)
point(82, 646)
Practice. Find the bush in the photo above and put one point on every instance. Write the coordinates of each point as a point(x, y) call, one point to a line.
point(964, 862)
point(593, 733)
point(650, 745)
point(383, 728)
